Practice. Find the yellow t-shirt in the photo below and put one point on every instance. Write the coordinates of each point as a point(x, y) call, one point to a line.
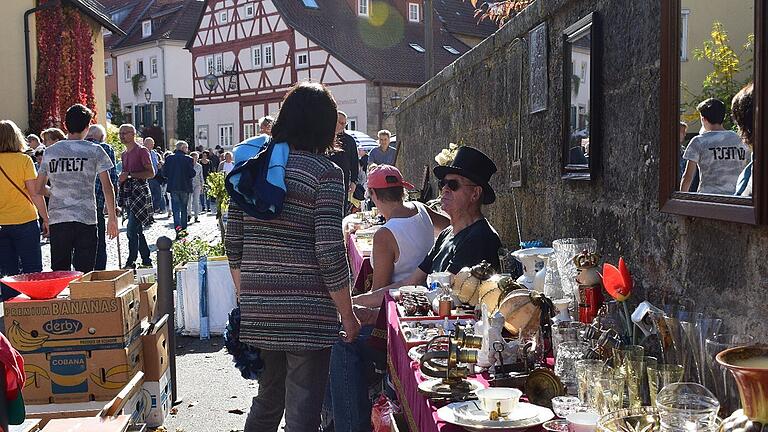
point(15, 208)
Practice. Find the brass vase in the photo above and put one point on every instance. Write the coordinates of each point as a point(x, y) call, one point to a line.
point(753, 388)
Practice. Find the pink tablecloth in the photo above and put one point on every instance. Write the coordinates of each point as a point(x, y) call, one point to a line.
point(359, 263)
point(419, 411)
point(356, 258)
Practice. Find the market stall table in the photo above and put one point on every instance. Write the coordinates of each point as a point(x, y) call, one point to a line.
point(420, 412)
point(359, 261)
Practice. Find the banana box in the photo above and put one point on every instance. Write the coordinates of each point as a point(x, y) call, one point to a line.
point(80, 376)
point(160, 399)
point(155, 341)
point(65, 324)
point(148, 302)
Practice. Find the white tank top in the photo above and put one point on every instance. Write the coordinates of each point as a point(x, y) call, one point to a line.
point(415, 237)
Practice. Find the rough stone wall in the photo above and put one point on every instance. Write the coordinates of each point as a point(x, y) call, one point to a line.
point(721, 266)
point(373, 107)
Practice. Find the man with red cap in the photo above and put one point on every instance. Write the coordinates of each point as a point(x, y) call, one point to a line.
point(465, 188)
point(398, 248)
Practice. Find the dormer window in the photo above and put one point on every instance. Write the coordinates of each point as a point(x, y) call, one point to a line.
point(146, 28)
point(363, 7)
point(451, 49)
point(417, 47)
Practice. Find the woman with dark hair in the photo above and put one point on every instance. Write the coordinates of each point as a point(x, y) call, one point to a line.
point(291, 272)
point(743, 113)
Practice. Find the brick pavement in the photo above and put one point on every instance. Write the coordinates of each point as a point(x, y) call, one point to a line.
point(163, 226)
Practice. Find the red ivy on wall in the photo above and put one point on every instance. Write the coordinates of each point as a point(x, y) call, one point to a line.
point(65, 48)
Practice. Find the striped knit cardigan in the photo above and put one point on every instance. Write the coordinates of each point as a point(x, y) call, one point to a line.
point(289, 265)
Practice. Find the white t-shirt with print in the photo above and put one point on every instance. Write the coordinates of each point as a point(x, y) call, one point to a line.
point(72, 167)
point(721, 156)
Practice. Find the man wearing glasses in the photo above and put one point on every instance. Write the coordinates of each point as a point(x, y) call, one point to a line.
point(470, 238)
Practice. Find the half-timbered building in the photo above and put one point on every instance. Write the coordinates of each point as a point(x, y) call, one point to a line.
point(246, 54)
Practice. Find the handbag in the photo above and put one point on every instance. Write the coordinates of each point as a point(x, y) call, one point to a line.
point(16, 186)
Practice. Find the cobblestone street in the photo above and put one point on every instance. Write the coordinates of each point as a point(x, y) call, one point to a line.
point(163, 226)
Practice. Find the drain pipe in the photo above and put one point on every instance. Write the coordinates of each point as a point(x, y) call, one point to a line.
point(29, 12)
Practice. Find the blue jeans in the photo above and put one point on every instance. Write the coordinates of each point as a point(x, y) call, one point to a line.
point(158, 203)
point(179, 203)
point(19, 252)
point(204, 203)
point(347, 395)
point(101, 246)
point(137, 243)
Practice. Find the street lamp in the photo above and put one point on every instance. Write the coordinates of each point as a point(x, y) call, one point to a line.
point(395, 99)
point(148, 95)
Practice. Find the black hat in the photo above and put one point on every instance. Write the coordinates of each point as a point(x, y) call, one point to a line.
point(474, 165)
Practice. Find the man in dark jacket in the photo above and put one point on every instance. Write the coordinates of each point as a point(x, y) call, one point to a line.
point(346, 157)
point(179, 170)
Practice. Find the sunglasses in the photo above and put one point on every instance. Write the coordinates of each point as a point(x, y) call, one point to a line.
point(452, 184)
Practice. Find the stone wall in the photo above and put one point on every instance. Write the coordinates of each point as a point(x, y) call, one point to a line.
point(721, 266)
point(384, 104)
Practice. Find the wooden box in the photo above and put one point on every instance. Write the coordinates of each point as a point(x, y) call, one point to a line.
point(100, 284)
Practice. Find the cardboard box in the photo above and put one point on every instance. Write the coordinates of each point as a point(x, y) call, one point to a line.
point(148, 302)
point(89, 424)
point(100, 283)
point(160, 396)
point(82, 376)
point(61, 324)
point(155, 343)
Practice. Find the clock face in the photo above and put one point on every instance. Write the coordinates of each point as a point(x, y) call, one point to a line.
point(211, 82)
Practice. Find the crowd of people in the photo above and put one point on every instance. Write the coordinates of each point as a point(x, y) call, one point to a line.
point(58, 187)
point(292, 273)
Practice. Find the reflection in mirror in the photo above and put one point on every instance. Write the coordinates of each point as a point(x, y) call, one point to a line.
point(580, 142)
point(716, 62)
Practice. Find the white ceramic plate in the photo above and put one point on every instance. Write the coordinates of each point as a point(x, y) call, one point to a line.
point(526, 415)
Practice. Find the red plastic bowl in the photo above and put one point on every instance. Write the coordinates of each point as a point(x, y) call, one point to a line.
point(42, 285)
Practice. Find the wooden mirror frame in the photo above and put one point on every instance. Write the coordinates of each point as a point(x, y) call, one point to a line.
point(580, 171)
point(735, 209)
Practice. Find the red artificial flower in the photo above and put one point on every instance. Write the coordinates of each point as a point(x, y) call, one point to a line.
point(617, 281)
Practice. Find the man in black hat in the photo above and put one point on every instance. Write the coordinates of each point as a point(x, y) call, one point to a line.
point(470, 238)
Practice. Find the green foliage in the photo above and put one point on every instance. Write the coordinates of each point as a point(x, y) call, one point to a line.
point(113, 138)
point(722, 82)
point(217, 190)
point(191, 249)
point(136, 81)
point(118, 116)
point(185, 114)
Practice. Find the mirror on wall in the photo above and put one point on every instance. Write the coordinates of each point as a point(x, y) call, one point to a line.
point(581, 144)
point(710, 94)
point(716, 62)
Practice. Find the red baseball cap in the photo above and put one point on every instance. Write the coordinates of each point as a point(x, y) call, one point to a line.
point(386, 176)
